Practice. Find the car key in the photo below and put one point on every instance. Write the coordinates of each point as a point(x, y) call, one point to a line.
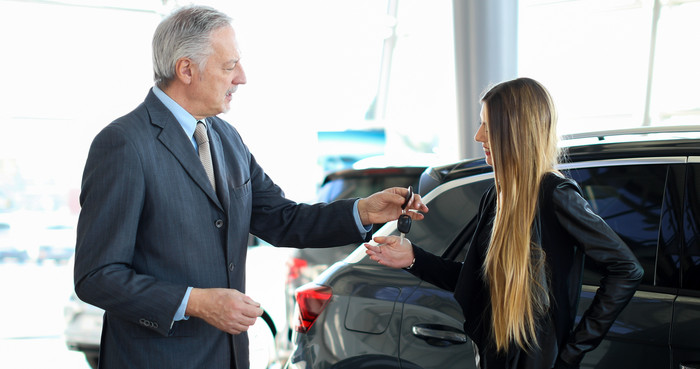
point(403, 224)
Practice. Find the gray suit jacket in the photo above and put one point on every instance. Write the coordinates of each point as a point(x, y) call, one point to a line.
point(151, 225)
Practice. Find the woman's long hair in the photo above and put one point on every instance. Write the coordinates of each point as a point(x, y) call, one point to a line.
point(523, 140)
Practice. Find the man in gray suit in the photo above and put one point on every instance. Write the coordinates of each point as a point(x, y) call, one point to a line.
point(162, 245)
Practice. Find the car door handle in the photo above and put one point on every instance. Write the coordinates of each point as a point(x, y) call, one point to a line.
point(439, 335)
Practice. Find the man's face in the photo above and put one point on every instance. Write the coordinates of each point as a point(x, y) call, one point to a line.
point(212, 87)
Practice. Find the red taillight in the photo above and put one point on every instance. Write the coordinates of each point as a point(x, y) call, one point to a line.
point(311, 300)
point(295, 266)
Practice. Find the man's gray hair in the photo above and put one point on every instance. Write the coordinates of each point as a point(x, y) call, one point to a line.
point(184, 34)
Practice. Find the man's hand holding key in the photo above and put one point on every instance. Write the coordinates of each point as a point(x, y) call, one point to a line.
point(392, 251)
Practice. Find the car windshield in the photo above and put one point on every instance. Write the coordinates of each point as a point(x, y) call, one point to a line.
point(452, 208)
point(349, 187)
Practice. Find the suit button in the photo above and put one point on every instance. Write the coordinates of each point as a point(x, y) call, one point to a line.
point(219, 223)
point(231, 267)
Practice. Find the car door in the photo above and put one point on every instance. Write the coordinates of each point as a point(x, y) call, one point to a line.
point(639, 200)
point(685, 329)
point(432, 334)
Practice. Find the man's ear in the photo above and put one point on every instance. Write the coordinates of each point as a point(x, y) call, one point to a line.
point(183, 70)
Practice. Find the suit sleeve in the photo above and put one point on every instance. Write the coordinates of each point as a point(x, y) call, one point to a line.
point(283, 222)
point(622, 271)
point(112, 198)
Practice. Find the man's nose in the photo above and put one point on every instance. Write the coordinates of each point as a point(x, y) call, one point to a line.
point(239, 78)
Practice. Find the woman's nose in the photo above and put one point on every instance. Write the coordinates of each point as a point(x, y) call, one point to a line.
point(480, 136)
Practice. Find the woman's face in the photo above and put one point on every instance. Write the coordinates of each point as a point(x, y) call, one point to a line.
point(482, 134)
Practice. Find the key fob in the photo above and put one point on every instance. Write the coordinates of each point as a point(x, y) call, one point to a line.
point(409, 195)
point(403, 224)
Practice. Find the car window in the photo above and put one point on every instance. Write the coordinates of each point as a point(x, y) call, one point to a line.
point(691, 230)
point(629, 198)
point(449, 213)
point(343, 188)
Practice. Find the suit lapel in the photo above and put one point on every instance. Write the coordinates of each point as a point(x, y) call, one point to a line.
point(175, 140)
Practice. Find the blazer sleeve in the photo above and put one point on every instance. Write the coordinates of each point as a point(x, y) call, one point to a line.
point(622, 271)
point(112, 199)
point(283, 222)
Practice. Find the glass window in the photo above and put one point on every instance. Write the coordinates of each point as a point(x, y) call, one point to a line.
point(629, 198)
point(691, 230)
point(676, 73)
point(349, 187)
point(595, 69)
point(613, 63)
point(343, 65)
point(449, 213)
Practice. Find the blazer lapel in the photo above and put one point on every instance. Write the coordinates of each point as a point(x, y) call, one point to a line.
point(174, 139)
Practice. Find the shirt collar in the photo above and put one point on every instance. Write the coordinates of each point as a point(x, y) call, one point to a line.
point(186, 120)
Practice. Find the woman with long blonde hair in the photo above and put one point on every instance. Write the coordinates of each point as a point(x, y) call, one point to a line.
point(520, 281)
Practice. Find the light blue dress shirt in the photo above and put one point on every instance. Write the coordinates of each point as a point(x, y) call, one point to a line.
point(189, 123)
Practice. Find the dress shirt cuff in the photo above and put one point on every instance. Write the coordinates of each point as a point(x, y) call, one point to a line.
point(180, 313)
point(358, 222)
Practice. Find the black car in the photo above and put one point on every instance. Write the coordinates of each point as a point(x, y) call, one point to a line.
point(645, 183)
point(306, 264)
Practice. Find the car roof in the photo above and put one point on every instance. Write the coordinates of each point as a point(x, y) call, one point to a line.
point(587, 146)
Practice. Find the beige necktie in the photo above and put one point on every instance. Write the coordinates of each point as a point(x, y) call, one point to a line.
point(200, 135)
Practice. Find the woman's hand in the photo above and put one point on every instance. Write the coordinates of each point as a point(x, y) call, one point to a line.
point(391, 252)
